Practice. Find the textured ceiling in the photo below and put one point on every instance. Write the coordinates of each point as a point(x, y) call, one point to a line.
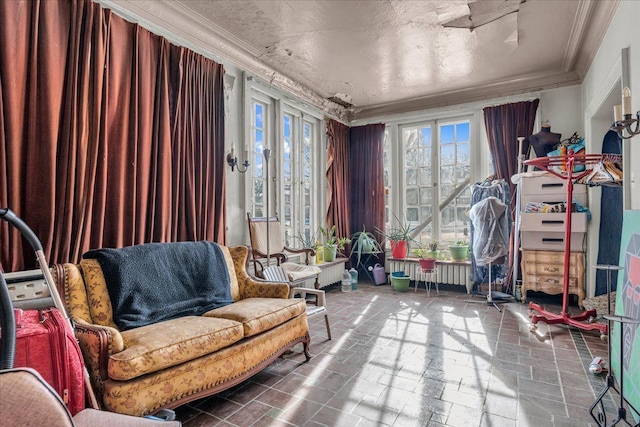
point(381, 57)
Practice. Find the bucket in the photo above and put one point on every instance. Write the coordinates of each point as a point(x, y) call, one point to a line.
point(379, 276)
point(400, 283)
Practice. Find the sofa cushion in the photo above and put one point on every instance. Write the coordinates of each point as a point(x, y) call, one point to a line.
point(260, 314)
point(161, 345)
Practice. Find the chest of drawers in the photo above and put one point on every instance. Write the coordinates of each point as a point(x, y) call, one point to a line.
point(543, 271)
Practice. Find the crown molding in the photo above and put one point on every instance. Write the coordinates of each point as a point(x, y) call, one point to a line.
point(583, 13)
point(521, 85)
point(598, 25)
point(170, 19)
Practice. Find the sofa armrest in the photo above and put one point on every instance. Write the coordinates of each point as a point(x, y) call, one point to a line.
point(97, 344)
point(249, 286)
point(257, 288)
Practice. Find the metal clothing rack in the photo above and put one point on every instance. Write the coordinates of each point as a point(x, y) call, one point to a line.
point(562, 167)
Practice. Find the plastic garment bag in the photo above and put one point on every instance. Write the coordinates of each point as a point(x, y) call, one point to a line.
point(491, 224)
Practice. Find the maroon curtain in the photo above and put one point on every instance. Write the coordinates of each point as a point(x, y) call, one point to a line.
point(199, 200)
point(504, 124)
point(337, 173)
point(110, 135)
point(366, 198)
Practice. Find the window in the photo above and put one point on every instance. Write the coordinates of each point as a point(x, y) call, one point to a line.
point(299, 136)
point(295, 170)
point(437, 203)
point(260, 118)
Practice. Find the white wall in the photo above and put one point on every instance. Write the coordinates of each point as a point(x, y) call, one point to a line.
point(235, 188)
point(604, 75)
point(600, 91)
point(562, 109)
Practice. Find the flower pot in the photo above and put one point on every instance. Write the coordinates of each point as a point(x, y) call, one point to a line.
point(459, 253)
point(427, 264)
point(330, 252)
point(399, 248)
point(432, 254)
point(400, 284)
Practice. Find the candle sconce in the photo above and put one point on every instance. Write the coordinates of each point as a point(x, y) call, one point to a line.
point(624, 119)
point(625, 125)
point(232, 161)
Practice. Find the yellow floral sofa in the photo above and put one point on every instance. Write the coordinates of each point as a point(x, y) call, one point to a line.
point(166, 364)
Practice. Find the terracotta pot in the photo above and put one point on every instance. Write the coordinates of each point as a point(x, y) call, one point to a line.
point(399, 248)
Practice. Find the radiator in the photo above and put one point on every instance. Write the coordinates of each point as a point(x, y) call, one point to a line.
point(331, 272)
point(448, 272)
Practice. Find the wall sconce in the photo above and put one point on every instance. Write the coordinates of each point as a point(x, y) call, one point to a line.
point(623, 118)
point(232, 161)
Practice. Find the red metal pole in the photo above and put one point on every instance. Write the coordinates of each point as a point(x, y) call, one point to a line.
point(567, 236)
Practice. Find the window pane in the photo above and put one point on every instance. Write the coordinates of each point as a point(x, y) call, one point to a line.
point(259, 140)
point(257, 191)
point(259, 111)
point(412, 196)
point(447, 154)
point(463, 154)
point(447, 134)
point(411, 176)
point(287, 127)
point(462, 132)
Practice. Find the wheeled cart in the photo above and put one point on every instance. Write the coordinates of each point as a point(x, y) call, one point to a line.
point(39, 325)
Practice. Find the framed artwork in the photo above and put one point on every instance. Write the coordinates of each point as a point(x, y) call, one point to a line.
point(628, 304)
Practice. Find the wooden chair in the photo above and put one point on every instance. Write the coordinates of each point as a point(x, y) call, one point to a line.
point(296, 273)
point(275, 273)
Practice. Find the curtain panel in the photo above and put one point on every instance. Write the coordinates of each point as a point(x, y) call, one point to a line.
point(110, 136)
point(337, 173)
point(366, 195)
point(504, 124)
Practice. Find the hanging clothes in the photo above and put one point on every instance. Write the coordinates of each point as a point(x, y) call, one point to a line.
point(480, 191)
point(491, 240)
point(610, 222)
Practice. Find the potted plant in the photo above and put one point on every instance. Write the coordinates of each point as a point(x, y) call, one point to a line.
point(309, 241)
point(399, 238)
point(362, 243)
point(433, 249)
point(426, 261)
point(333, 244)
point(459, 251)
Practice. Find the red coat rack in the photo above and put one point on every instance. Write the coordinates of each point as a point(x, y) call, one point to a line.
point(562, 167)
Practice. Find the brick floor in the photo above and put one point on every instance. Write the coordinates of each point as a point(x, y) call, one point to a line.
point(407, 359)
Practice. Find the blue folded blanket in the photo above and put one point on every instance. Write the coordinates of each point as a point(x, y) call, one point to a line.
point(159, 281)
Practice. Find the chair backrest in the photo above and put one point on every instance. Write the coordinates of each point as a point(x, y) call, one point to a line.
point(258, 227)
point(26, 399)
